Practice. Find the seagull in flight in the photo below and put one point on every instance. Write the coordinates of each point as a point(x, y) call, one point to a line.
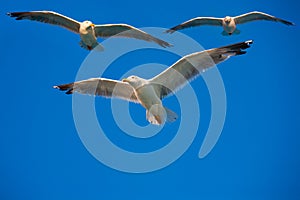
point(228, 23)
point(87, 30)
point(150, 92)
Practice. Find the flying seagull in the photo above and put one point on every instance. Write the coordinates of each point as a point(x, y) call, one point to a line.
point(87, 30)
point(150, 92)
point(228, 23)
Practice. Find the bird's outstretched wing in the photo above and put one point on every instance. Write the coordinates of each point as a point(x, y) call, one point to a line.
point(253, 16)
point(125, 30)
point(102, 87)
point(191, 66)
point(48, 17)
point(198, 21)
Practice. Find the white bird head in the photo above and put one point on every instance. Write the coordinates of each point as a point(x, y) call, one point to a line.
point(88, 25)
point(227, 19)
point(135, 81)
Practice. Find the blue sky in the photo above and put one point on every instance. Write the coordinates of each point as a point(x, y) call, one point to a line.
point(256, 157)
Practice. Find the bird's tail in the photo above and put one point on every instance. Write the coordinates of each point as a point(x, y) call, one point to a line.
point(96, 46)
point(158, 115)
point(224, 33)
point(171, 115)
point(235, 32)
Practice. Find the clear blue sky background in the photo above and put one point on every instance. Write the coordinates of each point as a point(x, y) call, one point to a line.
point(257, 156)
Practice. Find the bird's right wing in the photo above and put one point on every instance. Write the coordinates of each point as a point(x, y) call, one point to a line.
point(253, 16)
point(198, 21)
point(192, 65)
point(125, 30)
point(48, 17)
point(102, 87)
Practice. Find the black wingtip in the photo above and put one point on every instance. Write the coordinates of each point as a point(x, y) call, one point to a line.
point(65, 87)
point(17, 15)
point(243, 47)
point(237, 53)
point(238, 47)
point(168, 45)
point(14, 14)
point(248, 42)
point(69, 91)
point(290, 23)
point(162, 43)
point(170, 31)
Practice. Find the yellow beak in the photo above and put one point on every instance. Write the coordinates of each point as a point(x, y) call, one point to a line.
point(93, 25)
point(125, 80)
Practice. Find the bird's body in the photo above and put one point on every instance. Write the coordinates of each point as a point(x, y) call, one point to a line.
point(228, 23)
point(150, 92)
point(87, 30)
point(147, 97)
point(87, 35)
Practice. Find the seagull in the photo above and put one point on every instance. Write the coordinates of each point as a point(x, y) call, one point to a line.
point(150, 92)
point(87, 30)
point(228, 23)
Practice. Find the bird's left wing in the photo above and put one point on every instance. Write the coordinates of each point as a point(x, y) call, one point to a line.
point(48, 17)
point(191, 66)
point(101, 87)
point(125, 30)
point(253, 16)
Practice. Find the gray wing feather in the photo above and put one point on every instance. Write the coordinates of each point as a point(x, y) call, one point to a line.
point(101, 87)
point(191, 66)
point(254, 16)
point(48, 17)
point(198, 21)
point(125, 30)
